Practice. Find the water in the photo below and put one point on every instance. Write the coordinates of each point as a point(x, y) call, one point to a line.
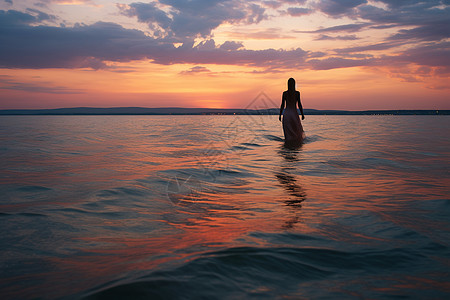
point(213, 207)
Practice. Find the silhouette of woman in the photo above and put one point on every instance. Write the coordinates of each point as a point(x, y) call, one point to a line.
point(292, 127)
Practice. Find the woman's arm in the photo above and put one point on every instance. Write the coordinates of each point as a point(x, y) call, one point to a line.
point(300, 106)
point(281, 107)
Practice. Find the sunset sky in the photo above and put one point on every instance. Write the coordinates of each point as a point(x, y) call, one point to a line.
point(344, 54)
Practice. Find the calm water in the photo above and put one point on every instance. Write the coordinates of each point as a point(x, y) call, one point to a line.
point(189, 207)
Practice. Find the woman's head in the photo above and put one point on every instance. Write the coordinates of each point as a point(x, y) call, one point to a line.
point(291, 84)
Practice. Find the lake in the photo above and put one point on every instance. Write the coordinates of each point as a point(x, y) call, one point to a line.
point(214, 207)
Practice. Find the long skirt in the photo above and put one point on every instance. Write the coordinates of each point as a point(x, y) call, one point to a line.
point(292, 127)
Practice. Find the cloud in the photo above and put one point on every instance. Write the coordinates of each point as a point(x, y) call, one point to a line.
point(43, 3)
point(204, 53)
point(433, 31)
point(93, 46)
point(417, 22)
point(293, 1)
point(430, 19)
point(272, 4)
point(337, 8)
point(399, 3)
point(8, 83)
point(338, 62)
point(196, 70)
point(149, 13)
point(265, 34)
point(416, 14)
point(25, 46)
point(298, 11)
point(9, 2)
point(371, 47)
point(433, 55)
point(27, 41)
point(324, 37)
point(15, 18)
point(231, 46)
point(432, 59)
point(339, 28)
point(182, 20)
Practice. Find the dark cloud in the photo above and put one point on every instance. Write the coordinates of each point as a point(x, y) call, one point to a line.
point(272, 4)
point(430, 20)
point(431, 58)
point(432, 55)
point(417, 22)
point(336, 8)
point(413, 15)
point(26, 46)
point(92, 46)
point(204, 53)
point(371, 47)
point(434, 31)
point(9, 2)
point(156, 18)
point(293, 1)
point(422, 26)
point(347, 27)
point(231, 46)
point(14, 17)
point(324, 37)
point(298, 11)
point(207, 45)
point(400, 3)
point(339, 28)
point(183, 20)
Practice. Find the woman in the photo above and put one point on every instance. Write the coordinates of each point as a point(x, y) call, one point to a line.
point(292, 127)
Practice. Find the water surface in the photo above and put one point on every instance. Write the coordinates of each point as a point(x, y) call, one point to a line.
point(215, 207)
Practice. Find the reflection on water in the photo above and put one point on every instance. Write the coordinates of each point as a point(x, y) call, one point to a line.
point(210, 206)
point(288, 180)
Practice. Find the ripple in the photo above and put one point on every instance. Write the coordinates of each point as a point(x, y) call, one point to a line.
point(273, 138)
point(25, 214)
point(33, 188)
point(252, 144)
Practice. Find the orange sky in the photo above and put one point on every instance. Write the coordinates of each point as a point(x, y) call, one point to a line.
point(352, 55)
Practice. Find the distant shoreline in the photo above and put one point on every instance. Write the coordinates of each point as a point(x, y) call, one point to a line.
point(204, 111)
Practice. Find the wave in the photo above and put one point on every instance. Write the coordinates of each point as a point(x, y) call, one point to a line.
point(371, 163)
point(24, 214)
point(250, 272)
point(308, 139)
point(312, 138)
point(252, 144)
point(33, 189)
point(273, 138)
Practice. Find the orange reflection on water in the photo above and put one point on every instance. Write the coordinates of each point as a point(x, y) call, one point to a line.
point(113, 192)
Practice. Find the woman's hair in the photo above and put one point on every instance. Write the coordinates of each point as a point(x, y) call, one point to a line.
point(291, 84)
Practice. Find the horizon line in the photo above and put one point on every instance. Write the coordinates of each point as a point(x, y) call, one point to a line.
point(114, 111)
point(214, 108)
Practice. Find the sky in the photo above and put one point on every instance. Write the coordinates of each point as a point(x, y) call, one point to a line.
point(344, 54)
